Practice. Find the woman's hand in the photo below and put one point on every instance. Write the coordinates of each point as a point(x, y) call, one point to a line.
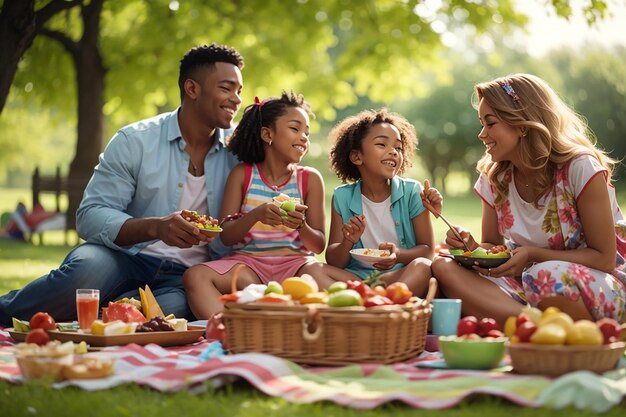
point(454, 242)
point(387, 262)
point(354, 228)
point(511, 268)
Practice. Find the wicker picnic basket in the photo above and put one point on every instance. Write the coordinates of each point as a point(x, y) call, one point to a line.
point(555, 360)
point(322, 335)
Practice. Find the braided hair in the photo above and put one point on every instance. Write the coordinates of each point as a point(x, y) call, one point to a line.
point(246, 142)
point(205, 56)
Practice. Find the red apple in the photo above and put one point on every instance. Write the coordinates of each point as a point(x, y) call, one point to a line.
point(486, 325)
point(610, 329)
point(525, 330)
point(467, 325)
point(494, 333)
point(522, 318)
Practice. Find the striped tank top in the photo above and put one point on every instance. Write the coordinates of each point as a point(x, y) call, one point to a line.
point(262, 239)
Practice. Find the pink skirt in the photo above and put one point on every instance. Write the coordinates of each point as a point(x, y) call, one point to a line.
point(268, 268)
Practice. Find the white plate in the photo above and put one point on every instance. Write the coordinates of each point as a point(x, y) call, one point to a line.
point(369, 256)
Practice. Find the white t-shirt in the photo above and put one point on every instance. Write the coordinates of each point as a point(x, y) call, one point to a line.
point(194, 197)
point(380, 225)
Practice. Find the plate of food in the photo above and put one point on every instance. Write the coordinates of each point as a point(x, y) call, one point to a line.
point(484, 258)
point(207, 224)
point(162, 338)
point(369, 256)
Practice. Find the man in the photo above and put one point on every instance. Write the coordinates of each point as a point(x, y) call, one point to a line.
point(130, 212)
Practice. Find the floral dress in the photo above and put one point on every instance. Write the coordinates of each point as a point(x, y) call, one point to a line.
point(555, 224)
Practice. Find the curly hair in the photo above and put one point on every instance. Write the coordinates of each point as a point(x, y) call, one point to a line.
point(348, 135)
point(554, 133)
point(246, 142)
point(205, 56)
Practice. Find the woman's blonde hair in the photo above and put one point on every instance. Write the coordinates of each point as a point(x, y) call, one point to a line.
point(553, 132)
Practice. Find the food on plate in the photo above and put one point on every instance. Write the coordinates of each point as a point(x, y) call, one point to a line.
point(498, 251)
point(125, 312)
point(101, 328)
point(20, 325)
point(89, 368)
point(156, 324)
point(201, 221)
point(42, 320)
point(179, 325)
point(376, 252)
point(131, 301)
point(149, 304)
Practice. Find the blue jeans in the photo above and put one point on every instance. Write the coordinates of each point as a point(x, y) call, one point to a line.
point(116, 274)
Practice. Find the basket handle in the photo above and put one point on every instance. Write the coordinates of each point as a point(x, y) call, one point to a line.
point(311, 325)
point(432, 290)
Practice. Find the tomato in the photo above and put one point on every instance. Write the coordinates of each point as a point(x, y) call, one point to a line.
point(38, 336)
point(525, 330)
point(486, 325)
point(522, 318)
point(399, 293)
point(467, 325)
point(610, 329)
point(42, 321)
point(362, 288)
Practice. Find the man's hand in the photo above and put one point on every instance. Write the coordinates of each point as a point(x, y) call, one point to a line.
point(174, 230)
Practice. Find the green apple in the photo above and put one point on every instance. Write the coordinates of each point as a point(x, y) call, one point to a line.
point(274, 287)
point(337, 286)
point(288, 205)
point(345, 298)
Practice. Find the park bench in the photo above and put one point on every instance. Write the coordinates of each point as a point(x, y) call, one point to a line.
point(57, 185)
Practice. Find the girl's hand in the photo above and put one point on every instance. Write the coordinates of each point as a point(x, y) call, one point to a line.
point(431, 198)
point(354, 228)
point(387, 262)
point(454, 242)
point(268, 213)
point(296, 218)
point(511, 268)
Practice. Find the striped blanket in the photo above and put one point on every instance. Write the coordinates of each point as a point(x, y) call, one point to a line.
point(417, 383)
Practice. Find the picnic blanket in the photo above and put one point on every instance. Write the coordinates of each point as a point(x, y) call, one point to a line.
point(356, 386)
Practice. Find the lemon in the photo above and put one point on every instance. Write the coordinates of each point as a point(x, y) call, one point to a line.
point(533, 313)
point(550, 311)
point(584, 332)
point(560, 319)
point(298, 287)
point(549, 334)
point(319, 297)
point(510, 325)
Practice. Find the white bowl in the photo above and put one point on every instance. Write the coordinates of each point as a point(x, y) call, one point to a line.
point(369, 256)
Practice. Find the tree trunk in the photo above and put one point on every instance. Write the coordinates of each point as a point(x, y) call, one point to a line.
point(90, 80)
point(17, 31)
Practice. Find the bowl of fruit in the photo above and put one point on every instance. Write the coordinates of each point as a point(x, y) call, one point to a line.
point(484, 258)
point(552, 343)
point(477, 344)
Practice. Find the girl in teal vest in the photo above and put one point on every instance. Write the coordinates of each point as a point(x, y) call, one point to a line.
point(377, 209)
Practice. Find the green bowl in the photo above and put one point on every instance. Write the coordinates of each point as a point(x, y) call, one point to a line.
point(472, 354)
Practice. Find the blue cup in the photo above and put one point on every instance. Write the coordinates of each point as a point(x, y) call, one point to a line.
point(446, 316)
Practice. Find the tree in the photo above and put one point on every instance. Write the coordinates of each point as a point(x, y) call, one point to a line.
point(331, 51)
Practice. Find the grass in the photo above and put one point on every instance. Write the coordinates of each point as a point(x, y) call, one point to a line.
point(21, 262)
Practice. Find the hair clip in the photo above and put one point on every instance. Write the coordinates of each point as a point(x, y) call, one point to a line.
point(508, 88)
point(258, 102)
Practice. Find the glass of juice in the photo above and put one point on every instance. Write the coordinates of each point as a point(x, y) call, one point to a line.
point(87, 303)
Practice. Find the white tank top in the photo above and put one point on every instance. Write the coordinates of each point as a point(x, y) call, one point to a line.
point(194, 197)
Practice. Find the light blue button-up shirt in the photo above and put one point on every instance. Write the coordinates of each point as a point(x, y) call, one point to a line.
point(141, 174)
